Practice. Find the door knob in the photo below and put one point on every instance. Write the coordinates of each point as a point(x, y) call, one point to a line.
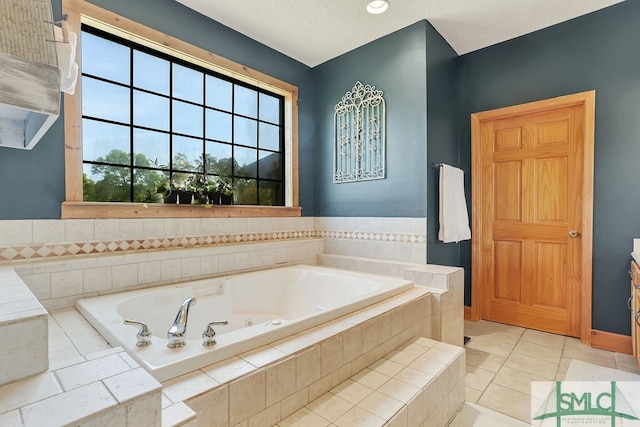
point(574, 233)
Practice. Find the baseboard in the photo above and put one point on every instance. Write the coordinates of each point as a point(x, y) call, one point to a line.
point(611, 342)
point(599, 339)
point(471, 314)
point(468, 314)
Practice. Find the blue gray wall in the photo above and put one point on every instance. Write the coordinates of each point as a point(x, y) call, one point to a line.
point(418, 72)
point(597, 51)
point(395, 64)
point(37, 176)
point(33, 181)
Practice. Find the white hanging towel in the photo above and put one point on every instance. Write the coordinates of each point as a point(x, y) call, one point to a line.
point(454, 220)
point(66, 42)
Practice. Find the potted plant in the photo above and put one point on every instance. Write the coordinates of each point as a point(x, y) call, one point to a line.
point(198, 186)
point(221, 191)
point(176, 190)
point(167, 192)
point(153, 197)
point(194, 188)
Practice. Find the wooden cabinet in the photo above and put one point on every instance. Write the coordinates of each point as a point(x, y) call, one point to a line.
point(635, 309)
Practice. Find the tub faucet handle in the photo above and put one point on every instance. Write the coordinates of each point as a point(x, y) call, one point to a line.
point(143, 335)
point(209, 335)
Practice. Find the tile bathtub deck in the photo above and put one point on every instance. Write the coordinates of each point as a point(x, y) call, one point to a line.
point(502, 360)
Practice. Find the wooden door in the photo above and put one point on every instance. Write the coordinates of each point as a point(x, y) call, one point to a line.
point(635, 310)
point(532, 216)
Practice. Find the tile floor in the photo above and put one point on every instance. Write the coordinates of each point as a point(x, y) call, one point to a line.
point(502, 361)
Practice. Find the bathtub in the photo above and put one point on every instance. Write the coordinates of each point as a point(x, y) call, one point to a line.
point(261, 307)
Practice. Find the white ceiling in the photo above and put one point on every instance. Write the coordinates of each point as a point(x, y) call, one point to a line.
point(315, 31)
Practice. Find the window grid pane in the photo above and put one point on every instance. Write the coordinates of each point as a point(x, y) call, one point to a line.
point(152, 120)
point(150, 72)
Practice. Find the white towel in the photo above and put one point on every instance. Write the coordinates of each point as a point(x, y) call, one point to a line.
point(66, 49)
point(454, 220)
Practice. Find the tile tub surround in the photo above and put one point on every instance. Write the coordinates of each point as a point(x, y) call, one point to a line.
point(387, 238)
point(390, 239)
point(266, 385)
point(23, 330)
point(63, 260)
point(57, 278)
point(52, 239)
point(58, 284)
point(281, 377)
point(446, 285)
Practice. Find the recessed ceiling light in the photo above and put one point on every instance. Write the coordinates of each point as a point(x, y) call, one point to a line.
point(377, 7)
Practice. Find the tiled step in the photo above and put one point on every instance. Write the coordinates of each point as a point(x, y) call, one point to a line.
point(178, 415)
point(419, 384)
point(23, 328)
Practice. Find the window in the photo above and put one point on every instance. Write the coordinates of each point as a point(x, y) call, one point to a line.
point(156, 128)
point(136, 130)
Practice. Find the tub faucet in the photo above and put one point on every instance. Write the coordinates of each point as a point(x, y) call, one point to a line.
point(209, 335)
point(143, 335)
point(177, 331)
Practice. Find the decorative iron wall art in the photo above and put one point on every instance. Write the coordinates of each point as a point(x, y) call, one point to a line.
point(359, 135)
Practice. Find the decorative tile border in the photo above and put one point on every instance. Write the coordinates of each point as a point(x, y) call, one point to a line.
point(373, 236)
point(27, 252)
point(57, 250)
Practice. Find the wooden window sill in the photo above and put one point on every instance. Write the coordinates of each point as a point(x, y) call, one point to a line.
point(91, 210)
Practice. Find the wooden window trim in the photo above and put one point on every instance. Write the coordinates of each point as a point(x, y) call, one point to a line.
point(80, 11)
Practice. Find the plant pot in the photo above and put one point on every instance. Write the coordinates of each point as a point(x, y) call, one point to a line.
point(184, 197)
point(172, 197)
point(200, 198)
point(217, 198)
